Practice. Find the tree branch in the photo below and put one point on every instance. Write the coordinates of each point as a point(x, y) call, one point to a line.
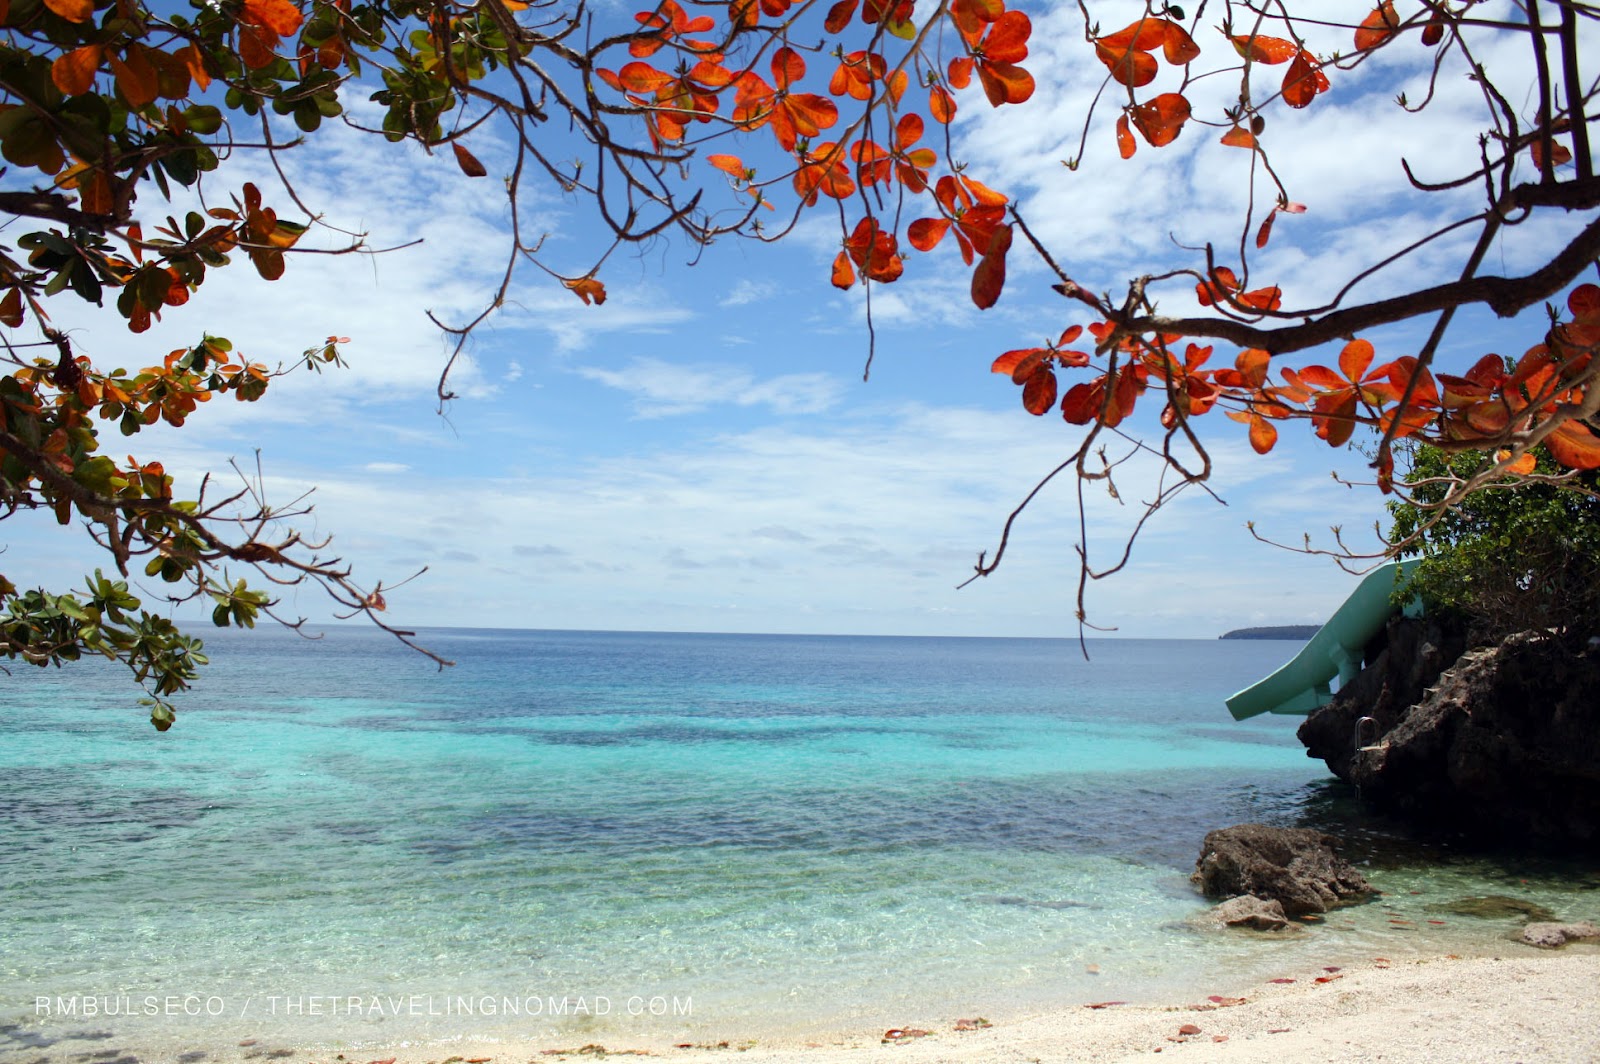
point(1506, 296)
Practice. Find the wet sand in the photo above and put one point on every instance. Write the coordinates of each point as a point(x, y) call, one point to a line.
point(1542, 1008)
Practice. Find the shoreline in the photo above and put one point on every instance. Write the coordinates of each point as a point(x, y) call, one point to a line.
point(1543, 1007)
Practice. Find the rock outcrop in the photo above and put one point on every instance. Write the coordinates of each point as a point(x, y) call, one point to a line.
point(1296, 867)
point(1400, 666)
point(1554, 936)
point(1498, 742)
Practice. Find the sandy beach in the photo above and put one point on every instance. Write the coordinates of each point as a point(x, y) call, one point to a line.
point(1532, 1008)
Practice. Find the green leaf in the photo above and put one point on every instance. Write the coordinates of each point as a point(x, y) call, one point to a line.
point(99, 475)
point(69, 606)
point(203, 119)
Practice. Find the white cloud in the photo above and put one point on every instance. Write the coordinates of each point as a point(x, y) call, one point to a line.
point(664, 389)
point(745, 291)
point(861, 525)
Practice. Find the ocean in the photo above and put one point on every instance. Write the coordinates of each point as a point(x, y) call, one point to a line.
point(587, 837)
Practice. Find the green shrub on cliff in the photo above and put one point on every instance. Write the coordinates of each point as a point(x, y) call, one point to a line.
point(1516, 556)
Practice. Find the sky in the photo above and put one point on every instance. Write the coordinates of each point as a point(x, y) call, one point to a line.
point(701, 453)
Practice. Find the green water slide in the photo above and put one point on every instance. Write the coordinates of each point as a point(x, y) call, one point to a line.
point(1304, 683)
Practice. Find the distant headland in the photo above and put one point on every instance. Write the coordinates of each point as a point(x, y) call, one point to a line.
point(1280, 631)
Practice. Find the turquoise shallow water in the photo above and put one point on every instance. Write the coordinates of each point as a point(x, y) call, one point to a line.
point(613, 835)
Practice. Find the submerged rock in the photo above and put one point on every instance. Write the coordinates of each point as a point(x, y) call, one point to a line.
point(1296, 867)
point(1554, 936)
point(1494, 907)
point(1031, 903)
point(1257, 914)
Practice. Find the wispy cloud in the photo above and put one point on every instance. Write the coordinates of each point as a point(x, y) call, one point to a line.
point(666, 389)
point(746, 291)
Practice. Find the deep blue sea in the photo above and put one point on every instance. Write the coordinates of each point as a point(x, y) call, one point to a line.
point(595, 837)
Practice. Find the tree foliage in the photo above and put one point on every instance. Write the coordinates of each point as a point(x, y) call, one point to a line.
point(1520, 554)
point(724, 118)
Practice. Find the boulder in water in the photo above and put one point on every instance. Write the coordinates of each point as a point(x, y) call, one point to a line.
point(1554, 936)
point(1296, 867)
point(1247, 910)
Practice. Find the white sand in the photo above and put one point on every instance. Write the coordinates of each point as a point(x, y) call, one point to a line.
point(1535, 1008)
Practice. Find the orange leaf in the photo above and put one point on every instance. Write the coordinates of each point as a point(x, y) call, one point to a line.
point(1039, 393)
point(1081, 405)
point(1126, 145)
point(982, 194)
point(268, 263)
point(467, 161)
point(279, 16)
point(1574, 446)
point(1377, 27)
point(137, 78)
point(1524, 465)
point(990, 276)
point(1161, 119)
point(1340, 424)
point(1262, 434)
point(978, 12)
point(875, 250)
point(1560, 155)
point(1268, 50)
point(1424, 393)
point(1008, 362)
point(941, 105)
point(895, 84)
point(72, 10)
point(925, 233)
point(844, 274)
point(1028, 365)
point(257, 46)
point(731, 165)
point(1239, 137)
point(74, 71)
point(1005, 83)
point(1584, 302)
point(1222, 284)
point(1146, 35)
point(1132, 68)
point(193, 60)
point(1179, 47)
point(1355, 358)
point(588, 289)
point(1304, 80)
point(639, 77)
point(1270, 298)
point(839, 16)
point(1124, 394)
point(1252, 364)
point(1265, 232)
point(94, 193)
point(1007, 39)
point(11, 309)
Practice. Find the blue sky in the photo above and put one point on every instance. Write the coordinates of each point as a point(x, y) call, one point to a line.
point(700, 453)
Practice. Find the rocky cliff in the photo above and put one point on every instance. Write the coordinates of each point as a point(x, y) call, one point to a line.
point(1499, 742)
